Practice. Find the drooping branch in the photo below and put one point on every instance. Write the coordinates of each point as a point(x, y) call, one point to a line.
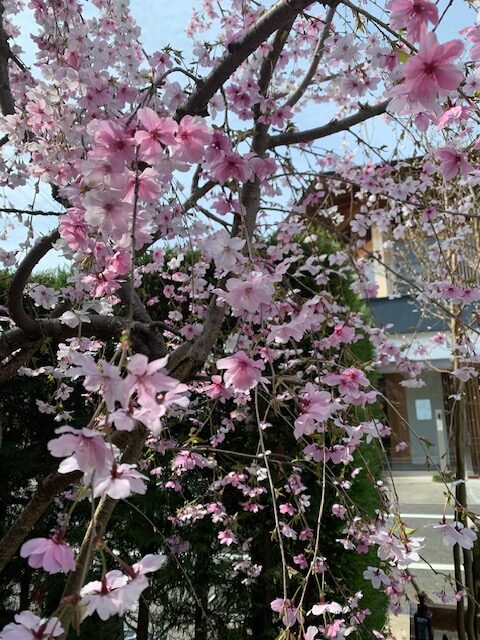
point(97, 528)
point(51, 486)
point(334, 126)
point(379, 23)
point(317, 56)
point(238, 51)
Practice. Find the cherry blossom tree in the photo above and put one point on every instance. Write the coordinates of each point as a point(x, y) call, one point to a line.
point(179, 171)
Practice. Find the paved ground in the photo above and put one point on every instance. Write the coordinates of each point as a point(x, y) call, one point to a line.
point(422, 504)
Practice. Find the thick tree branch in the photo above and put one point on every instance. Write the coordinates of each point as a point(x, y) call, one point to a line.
point(20, 280)
point(238, 51)
point(190, 357)
point(51, 486)
point(10, 369)
point(103, 327)
point(250, 195)
point(334, 126)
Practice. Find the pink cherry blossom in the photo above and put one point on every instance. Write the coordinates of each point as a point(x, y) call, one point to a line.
point(149, 379)
point(452, 162)
point(412, 14)
point(287, 611)
point(106, 597)
point(28, 626)
point(111, 140)
point(341, 334)
point(145, 185)
point(104, 377)
point(121, 481)
point(90, 452)
point(149, 563)
point(217, 390)
point(159, 132)
point(192, 139)
point(431, 72)
point(348, 381)
point(107, 210)
point(242, 373)
point(74, 229)
point(227, 537)
point(51, 554)
point(316, 407)
point(249, 294)
point(230, 166)
point(456, 533)
point(324, 607)
point(310, 633)
point(377, 577)
point(43, 296)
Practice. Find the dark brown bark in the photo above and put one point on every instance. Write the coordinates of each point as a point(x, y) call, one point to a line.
point(25, 581)
point(263, 589)
point(47, 490)
point(238, 52)
point(143, 620)
point(334, 126)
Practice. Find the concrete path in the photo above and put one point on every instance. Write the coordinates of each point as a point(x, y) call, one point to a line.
point(420, 488)
point(422, 503)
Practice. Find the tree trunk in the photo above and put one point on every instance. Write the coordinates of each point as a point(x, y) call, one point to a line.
point(201, 586)
point(143, 620)
point(263, 589)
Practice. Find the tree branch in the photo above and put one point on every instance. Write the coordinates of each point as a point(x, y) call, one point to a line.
point(51, 486)
point(334, 126)
point(317, 56)
point(238, 52)
point(250, 194)
point(30, 212)
point(10, 369)
point(19, 282)
point(97, 527)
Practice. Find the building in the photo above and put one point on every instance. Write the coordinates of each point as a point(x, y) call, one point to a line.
point(426, 417)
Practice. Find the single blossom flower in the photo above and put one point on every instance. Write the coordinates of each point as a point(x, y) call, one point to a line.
point(376, 576)
point(326, 607)
point(192, 139)
point(28, 626)
point(157, 133)
point(431, 72)
point(121, 481)
point(456, 533)
point(107, 597)
point(249, 294)
point(227, 537)
point(412, 14)
point(53, 554)
point(242, 373)
point(452, 162)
